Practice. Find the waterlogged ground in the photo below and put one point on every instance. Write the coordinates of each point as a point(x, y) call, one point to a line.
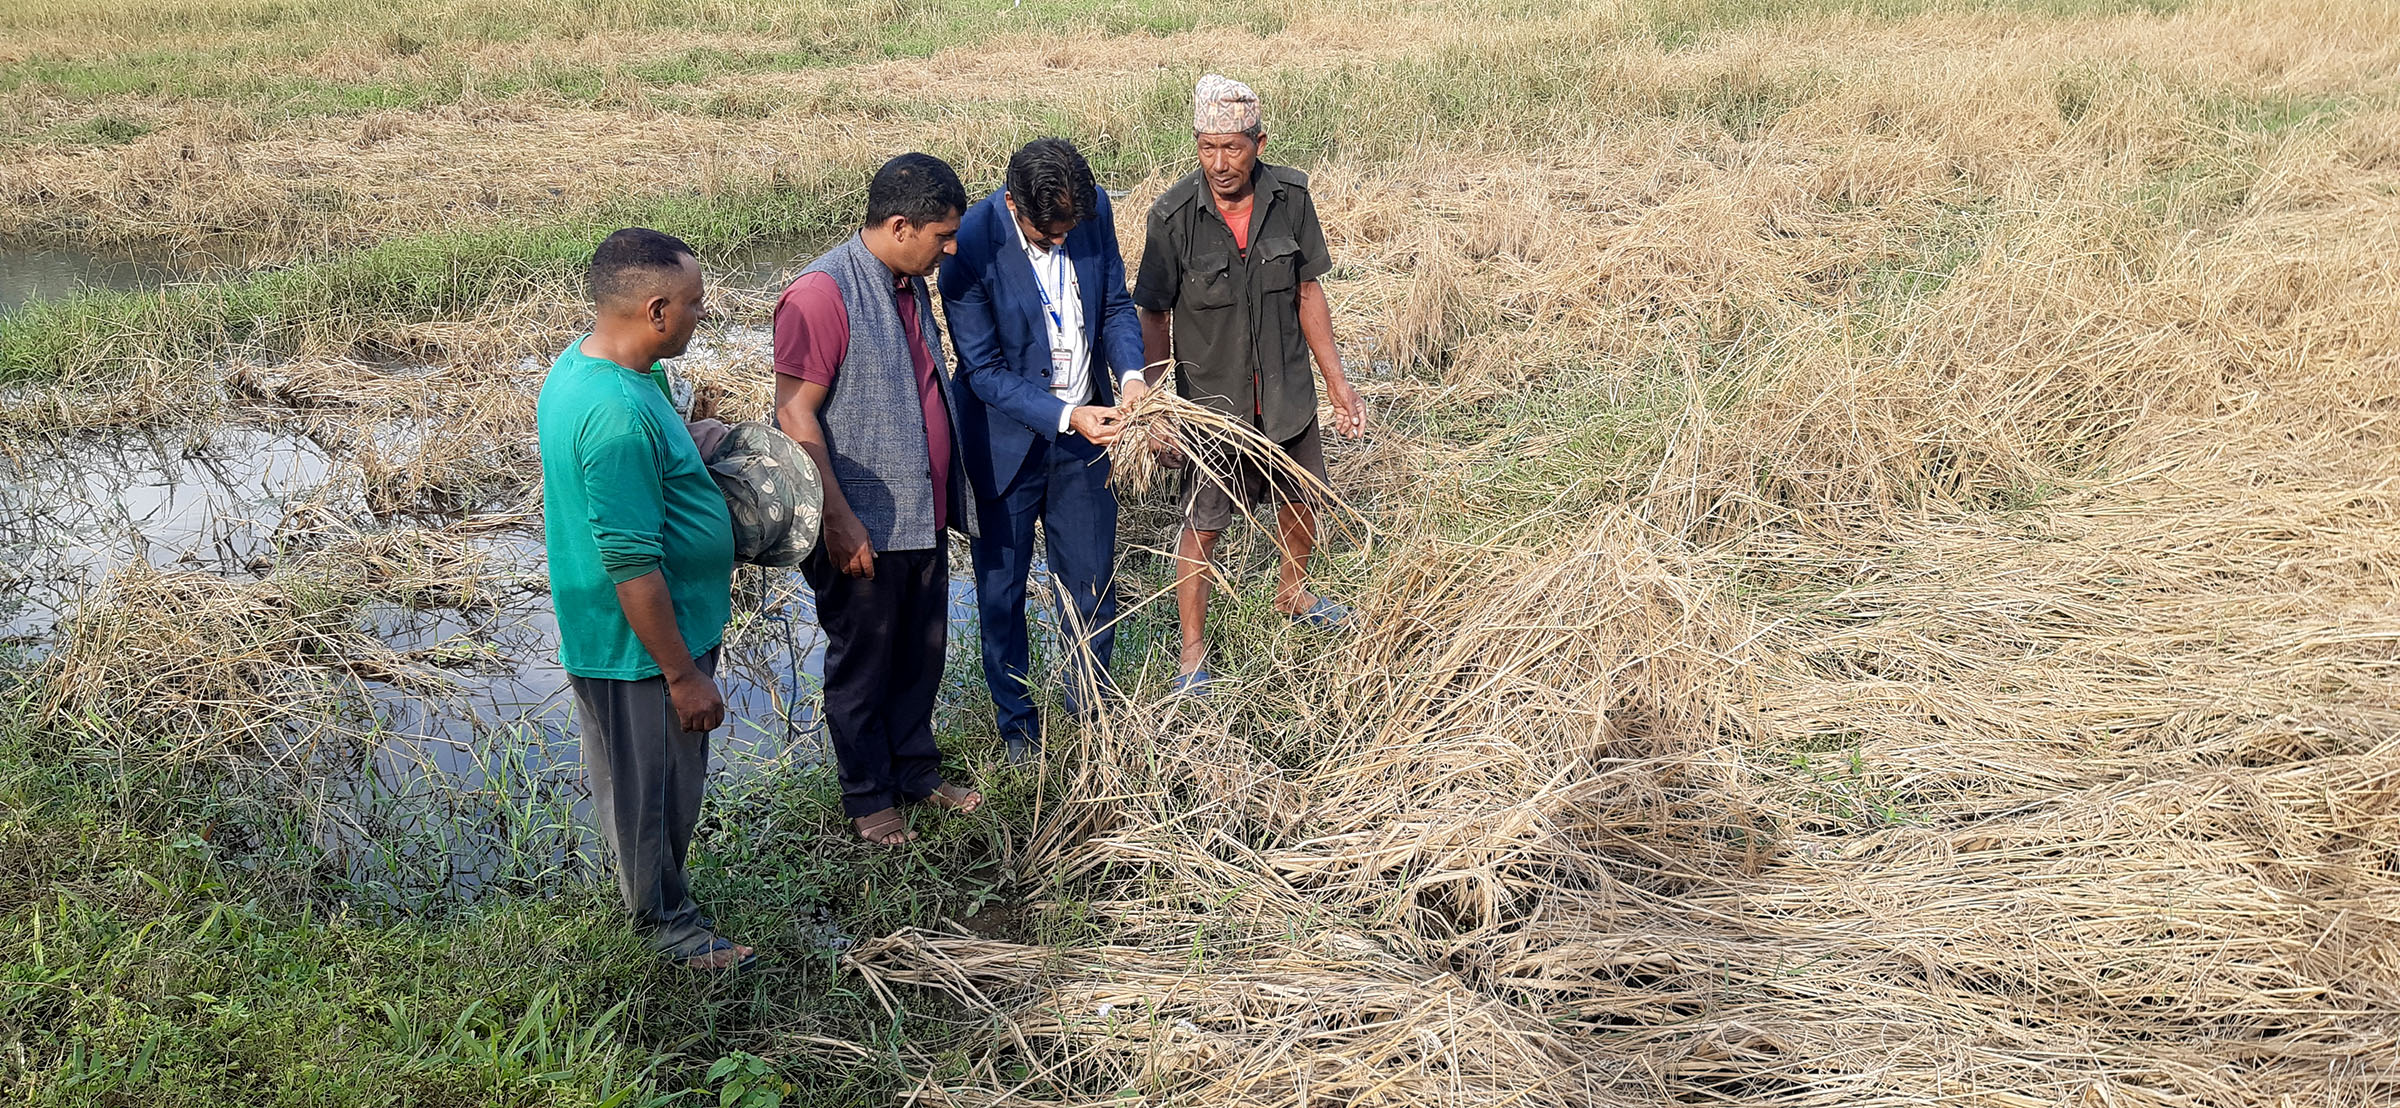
point(50, 270)
point(461, 784)
point(28, 274)
point(1881, 595)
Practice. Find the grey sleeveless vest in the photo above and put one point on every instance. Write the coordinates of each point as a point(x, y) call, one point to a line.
point(874, 425)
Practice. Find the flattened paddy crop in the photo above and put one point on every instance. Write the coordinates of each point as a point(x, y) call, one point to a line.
point(1882, 588)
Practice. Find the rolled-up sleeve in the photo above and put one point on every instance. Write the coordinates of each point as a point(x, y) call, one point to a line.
point(626, 505)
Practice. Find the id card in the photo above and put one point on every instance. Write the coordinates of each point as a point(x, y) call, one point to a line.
point(1062, 367)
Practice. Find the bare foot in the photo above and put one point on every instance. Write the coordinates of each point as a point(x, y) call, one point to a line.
point(956, 798)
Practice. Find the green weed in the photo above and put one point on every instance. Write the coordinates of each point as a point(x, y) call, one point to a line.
point(1678, 23)
point(336, 301)
point(156, 952)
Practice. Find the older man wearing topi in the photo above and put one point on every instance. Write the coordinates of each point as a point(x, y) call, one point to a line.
point(859, 384)
point(1228, 281)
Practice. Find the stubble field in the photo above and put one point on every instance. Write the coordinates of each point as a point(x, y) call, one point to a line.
point(1882, 588)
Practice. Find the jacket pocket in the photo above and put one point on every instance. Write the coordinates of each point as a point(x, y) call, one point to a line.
point(1210, 283)
point(1278, 263)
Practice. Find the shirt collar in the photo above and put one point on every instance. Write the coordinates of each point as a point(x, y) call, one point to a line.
point(1258, 184)
point(1026, 244)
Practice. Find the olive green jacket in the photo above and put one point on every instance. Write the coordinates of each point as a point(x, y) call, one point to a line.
point(1238, 346)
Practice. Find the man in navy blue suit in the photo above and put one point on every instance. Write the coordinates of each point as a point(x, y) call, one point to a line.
point(1048, 344)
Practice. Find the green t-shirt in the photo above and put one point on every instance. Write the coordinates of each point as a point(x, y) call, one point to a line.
point(624, 492)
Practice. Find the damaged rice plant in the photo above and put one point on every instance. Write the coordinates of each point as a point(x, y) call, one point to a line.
point(1882, 589)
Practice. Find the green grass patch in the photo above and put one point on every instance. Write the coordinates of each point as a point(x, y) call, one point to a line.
point(1952, 240)
point(114, 130)
point(155, 953)
point(1678, 23)
point(440, 274)
point(2269, 114)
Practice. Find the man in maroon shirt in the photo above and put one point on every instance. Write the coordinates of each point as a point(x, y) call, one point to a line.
point(812, 335)
point(859, 384)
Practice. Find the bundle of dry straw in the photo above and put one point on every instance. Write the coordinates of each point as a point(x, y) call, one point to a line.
point(185, 666)
point(190, 667)
point(1215, 448)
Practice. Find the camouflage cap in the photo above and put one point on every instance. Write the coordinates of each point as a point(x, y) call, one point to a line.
point(772, 492)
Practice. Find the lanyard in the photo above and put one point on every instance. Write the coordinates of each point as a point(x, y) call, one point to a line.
point(1058, 322)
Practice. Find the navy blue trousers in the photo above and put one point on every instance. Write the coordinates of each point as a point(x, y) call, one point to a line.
point(1063, 485)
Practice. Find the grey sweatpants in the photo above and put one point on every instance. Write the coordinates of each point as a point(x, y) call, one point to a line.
point(646, 772)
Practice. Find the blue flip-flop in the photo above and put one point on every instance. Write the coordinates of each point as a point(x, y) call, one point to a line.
point(1324, 615)
point(1195, 683)
point(747, 963)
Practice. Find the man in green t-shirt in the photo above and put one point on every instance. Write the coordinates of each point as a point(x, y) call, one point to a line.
point(641, 572)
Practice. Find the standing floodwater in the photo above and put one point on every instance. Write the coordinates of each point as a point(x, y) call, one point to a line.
point(471, 772)
point(29, 274)
point(75, 508)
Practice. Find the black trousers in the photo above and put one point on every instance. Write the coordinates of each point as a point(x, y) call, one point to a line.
point(885, 639)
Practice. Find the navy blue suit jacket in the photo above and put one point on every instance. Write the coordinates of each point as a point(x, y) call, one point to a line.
point(998, 328)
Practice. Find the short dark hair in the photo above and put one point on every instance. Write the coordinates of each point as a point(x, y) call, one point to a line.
point(613, 273)
point(919, 188)
point(1051, 182)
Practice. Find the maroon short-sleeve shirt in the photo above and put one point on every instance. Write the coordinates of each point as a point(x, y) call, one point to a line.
point(812, 336)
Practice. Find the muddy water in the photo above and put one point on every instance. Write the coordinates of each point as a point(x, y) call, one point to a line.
point(768, 265)
point(28, 274)
point(72, 510)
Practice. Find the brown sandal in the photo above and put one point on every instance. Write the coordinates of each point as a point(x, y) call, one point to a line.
point(884, 828)
point(955, 798)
